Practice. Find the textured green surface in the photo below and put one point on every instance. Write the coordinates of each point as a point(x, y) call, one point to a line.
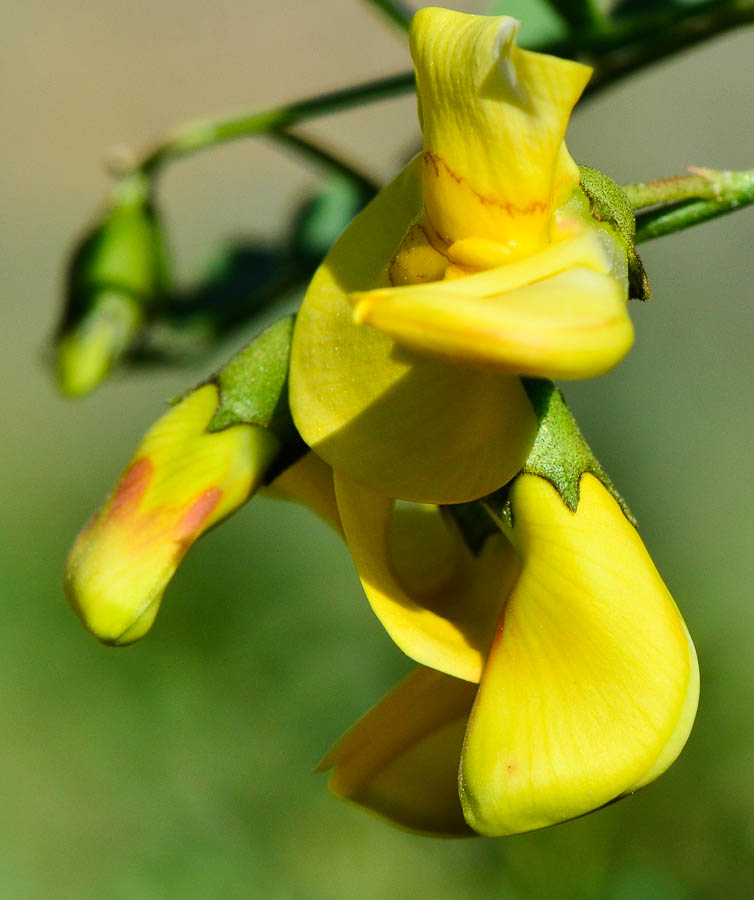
point(254, 391)
point(254, 383)
point(560, 453)
point(610, 204)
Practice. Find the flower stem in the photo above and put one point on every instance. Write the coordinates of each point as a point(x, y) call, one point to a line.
point(696, 186)
point(316, 152)
point(667, 221)
point(399, 14)
point(687, 200)
point(617, 47)
point(203, 133)
point(578, 13)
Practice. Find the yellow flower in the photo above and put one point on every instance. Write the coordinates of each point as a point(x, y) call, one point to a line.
point(556, 674)
point(478, 263)
point(195, 466)
point(587, 692)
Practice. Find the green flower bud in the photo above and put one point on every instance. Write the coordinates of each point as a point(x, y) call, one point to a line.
point(116, 280)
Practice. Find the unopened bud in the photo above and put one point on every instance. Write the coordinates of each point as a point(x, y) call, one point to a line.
point(115, 281)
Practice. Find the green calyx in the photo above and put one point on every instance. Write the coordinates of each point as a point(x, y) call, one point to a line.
point(560, 454)
point(253, 388)
point(253, 384)
point(609, 204)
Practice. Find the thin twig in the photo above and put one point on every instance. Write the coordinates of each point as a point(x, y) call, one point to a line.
point(398, 14)
point(315, 151)
point(685, 200)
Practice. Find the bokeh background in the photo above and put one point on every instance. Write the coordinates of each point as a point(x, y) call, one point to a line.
point(181, 767)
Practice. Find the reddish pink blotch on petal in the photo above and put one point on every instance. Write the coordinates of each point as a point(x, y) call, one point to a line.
point(197, 514)
point(131, 488)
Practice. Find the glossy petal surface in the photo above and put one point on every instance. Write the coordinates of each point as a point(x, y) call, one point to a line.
point(591, 683)
point(493, 118)
point(407, 426)
point(401, 759)
point(558, 314)
point(438, 602)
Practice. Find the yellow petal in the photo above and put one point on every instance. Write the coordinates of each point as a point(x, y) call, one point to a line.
point(556, 314)
point(493, 118)
point(407, 426)
point(591, 684)
point(308, 481)
point(680, 735)
point(572, 325)
point(181, 481)
point(401, 759)
point(436, 601)
point(591, 248)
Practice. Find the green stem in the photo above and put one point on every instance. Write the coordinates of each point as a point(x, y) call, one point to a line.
point(687, 200)
point(671, 190)
point(582, 14)
point(617, 47)
point(203, 133)
point(319, 154)
point(658, 223)
point(399, 14)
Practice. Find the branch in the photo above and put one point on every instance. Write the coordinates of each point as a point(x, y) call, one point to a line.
point(316, 152)
point(620, 47)
point(395, 11)
point(695, 198)
point(203, 133)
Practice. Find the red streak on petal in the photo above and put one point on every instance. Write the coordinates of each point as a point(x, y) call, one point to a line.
point(131, 488)
point(197, 514)
point(435, 160)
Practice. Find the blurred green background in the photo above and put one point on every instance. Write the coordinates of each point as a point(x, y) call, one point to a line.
point(181, 767)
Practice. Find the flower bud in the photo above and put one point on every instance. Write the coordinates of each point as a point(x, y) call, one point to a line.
point(181, 481)
point(196, 465)
point(116, 278)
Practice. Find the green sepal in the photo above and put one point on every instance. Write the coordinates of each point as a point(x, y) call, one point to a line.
point(560, 454)
point(609, 204)
point(253, 384)
point(253, 390)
